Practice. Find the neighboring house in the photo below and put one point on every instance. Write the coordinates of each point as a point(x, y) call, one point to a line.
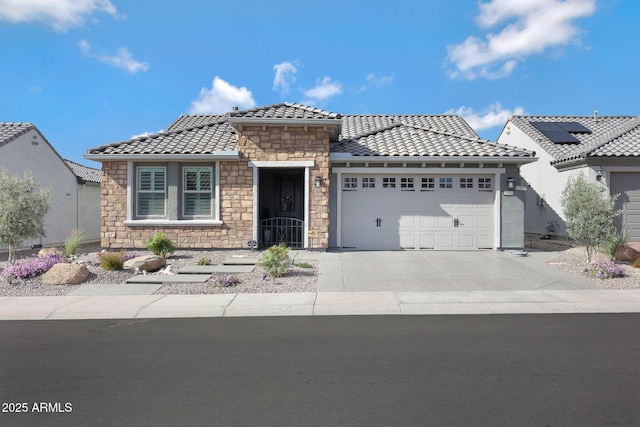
point(75, 189)
point(604, 149)
point(313, 179)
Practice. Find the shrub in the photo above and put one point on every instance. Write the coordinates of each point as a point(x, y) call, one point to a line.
point(303, 265)
point(227, 280)
point(612, 242)
point(160, 244)
point(32, 267)
point(204, 261)
point(275, 260)
point(73, 242)
point(111, 260)
point(636, 263)
point(607, 270)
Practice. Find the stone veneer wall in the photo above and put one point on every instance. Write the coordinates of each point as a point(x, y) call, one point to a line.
point(236, 193)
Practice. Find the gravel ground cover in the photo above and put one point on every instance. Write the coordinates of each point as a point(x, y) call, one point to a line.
point(296, 279)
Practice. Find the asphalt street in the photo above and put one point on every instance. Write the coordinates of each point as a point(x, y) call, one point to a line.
point(544, 370)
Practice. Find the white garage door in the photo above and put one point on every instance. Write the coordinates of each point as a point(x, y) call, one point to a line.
point(452, 212)
point(627, 184)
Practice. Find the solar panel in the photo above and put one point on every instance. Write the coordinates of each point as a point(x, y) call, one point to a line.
point(560, 137)
point(573, 127)
point(542, 126)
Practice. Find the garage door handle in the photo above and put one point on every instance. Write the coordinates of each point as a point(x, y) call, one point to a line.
point(456, 222)
point(378, 222)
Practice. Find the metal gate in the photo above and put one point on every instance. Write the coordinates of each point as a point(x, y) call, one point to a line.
point(289, 231)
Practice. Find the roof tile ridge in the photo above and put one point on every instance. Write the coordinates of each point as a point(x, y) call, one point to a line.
point(374, 131)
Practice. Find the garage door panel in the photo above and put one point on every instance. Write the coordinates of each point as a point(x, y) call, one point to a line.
point(416, 219)
point(627, 184)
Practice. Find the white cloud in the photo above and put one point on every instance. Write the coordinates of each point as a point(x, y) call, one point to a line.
point(285, 76)
point(58, 14)
point(531, 27)
point(221, 98)
point(493, 115)
point(323, 90)
point(374, 81)
point(122, 59)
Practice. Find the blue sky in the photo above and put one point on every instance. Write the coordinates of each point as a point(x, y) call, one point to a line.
point(92, 72)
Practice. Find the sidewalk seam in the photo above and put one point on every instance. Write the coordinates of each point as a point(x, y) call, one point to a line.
point(224, 312)
point(135, 316)
point(66, 305)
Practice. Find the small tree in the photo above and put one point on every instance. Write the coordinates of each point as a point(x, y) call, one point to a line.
point(589, 213)
point(23, 206)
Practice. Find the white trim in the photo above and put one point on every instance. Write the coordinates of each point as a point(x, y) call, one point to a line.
point(614, 169)
point(347, 157)
point(217, 155)
point(177, 222)
point(130, 190)
point(217, 190)
point(420, 171)
point(305, 237)
point(497, 208)
point(282, 164)
point(339, 210)
point(256, 177)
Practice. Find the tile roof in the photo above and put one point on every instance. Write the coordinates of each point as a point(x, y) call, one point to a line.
point(286, 110)
point(10, 131)
point(611, 136)
point(407, 140)
point(373, 135)
point(84, 173)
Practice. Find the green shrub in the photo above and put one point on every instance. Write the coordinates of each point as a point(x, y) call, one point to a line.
point(612, 242)
point(73, 242)
point(303, 265)
point(111, 260)
point(275, 260)
point(204, 261)
point(636, 263)
point(159, 244)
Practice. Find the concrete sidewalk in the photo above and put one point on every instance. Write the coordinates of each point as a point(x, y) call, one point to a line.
point(321, 303)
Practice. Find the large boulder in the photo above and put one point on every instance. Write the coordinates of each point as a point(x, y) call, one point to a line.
point(45, 252)
point(65, 274)
point(145, 262)
point(626, 253)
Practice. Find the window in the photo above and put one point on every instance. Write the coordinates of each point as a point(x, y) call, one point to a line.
point(197, 191)
point(484, 183)
point(350, 182)
point(388, 183)
point(151, 191)
point(466, 182)
point(406, 183)
point(446, 182)
point(368, 182)
point(428, 183)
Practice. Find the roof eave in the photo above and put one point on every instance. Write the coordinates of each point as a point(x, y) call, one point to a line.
point(217, 155)
point(337, 157)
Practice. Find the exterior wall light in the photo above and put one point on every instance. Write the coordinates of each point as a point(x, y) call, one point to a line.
point(318, 182)
point(599, 174)
point(510, 184)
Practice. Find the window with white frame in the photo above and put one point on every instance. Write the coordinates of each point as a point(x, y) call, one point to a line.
point(446, 182)
point(197, 191)
point(368, 182)
point(428, 183)
point(350, 182)
point(484, 183)
point(388, 182)
point(466, 182)
point(151, 191)
point(406, 183)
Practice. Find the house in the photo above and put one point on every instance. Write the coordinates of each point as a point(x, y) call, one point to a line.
point(75, 189)
point(606, 149)
point(313, 179)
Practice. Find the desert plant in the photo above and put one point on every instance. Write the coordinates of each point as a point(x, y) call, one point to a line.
point(22, 209)
point(73, 241)
point(32, 267)
point(610, 245)
point(131, 255)
point(204, 261)
point(226, 280)
point(589, 214)
point(111, 260)
point(636, 263)
point(160, 244)
point(275, 260)
point(607, 270)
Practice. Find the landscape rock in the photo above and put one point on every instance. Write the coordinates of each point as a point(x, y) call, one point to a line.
point(145, 262)
point(66, 274)
point(45, 252)
point(626, 253)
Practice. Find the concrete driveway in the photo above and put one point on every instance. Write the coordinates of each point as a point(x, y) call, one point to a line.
point(400, 271)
